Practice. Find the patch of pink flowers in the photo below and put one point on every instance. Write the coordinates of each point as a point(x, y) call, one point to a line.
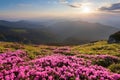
point(62, 50)
point(14, 66)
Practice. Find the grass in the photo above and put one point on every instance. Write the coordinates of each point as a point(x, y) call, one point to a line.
point(100, 47)
point(19, 30)
point(32, 50)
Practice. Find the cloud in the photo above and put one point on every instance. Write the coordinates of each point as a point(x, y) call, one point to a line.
point(114, 7)
point(73, 5)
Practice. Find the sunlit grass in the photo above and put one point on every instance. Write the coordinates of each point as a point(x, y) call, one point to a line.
point(101, 47)
point(32, 50)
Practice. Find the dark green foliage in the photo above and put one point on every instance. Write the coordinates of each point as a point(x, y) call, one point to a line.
point(115, 68)
point(116, 36)
point(106, 62)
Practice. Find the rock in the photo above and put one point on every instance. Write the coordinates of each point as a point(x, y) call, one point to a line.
point(114, 38)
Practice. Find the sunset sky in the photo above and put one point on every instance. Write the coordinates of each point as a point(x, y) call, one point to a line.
point(56, 8)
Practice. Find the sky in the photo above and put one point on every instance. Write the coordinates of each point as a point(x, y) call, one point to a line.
point(87, 9)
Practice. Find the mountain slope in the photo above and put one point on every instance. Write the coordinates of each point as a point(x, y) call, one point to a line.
point(67, 32)
point(79, 31)
point(25, 35)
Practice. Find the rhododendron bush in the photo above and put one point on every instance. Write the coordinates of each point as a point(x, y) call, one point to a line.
point(17, 66)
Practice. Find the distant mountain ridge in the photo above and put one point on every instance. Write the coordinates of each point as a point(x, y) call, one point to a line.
point(20, 24)
point(66, 32)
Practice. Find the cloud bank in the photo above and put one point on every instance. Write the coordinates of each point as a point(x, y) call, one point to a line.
point(114, 7)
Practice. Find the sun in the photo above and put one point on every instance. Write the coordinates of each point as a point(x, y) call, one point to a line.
point(86, 9)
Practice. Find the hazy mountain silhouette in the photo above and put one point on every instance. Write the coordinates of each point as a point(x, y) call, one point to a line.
point(21, 24)
point(79, 31)
point(66, 32)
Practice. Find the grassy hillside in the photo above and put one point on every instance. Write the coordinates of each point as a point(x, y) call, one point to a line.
point(32, 50)
point(100, 47)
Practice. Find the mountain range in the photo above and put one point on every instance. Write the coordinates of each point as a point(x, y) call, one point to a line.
point(62, 32)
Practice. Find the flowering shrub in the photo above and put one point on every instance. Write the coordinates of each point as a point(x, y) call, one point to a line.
point(15, 66)
point(63, 50)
